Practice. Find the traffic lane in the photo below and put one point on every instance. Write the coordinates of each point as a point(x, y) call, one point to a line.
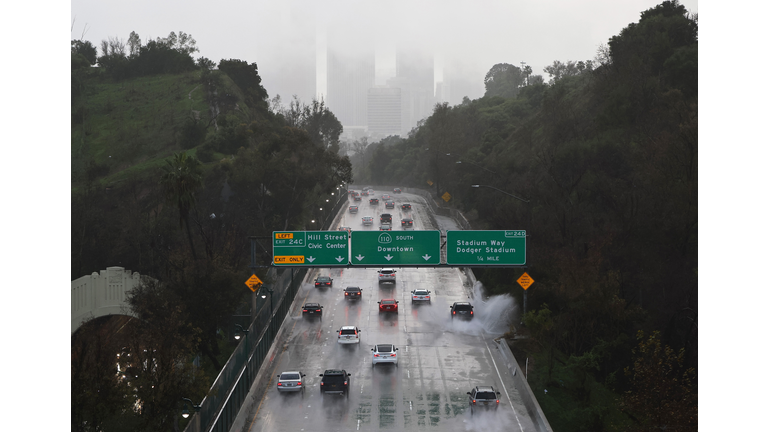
point(382, 399)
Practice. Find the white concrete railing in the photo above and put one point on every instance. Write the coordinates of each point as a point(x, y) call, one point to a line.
point(101, 294)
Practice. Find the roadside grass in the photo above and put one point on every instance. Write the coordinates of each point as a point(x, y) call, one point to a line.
point(567, 404)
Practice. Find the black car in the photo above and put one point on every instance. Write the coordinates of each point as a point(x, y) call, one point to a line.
point(353, 293)
point(323, 281)
point(462, 310)
point(335, 381)
point(397, 190)
point(389, 204)
point(374, 201)
point(405, 206)
point(407, 223)
point(312, 309)
point(386, 218)
point(483, 397)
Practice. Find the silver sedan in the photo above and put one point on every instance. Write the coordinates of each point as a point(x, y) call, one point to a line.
point(290, 381)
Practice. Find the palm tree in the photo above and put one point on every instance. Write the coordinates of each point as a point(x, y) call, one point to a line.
point(181, 178)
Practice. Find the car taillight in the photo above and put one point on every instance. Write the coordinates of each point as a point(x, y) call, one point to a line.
point(426, 296)
point(316, 310)
point(345, 383)
point(304, 310)
point(375, 355)
point(322, 384)
point(346, 293)
point(394, 355)
point(299, 383)
point(279, 384)
point(471, 312)
point(497, 401)
point(454, 312)
point(473, 401)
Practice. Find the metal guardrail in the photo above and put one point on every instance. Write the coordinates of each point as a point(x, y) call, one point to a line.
point(227, 394)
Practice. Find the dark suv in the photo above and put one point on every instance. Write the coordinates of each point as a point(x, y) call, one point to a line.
point(462, 310)
point(483, 397)
point(386, 218)
point(335, 381)
point(353, 293)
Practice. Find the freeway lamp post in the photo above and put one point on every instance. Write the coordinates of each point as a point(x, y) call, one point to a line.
point(239, 331)
point(185, 410)
point(264, 292)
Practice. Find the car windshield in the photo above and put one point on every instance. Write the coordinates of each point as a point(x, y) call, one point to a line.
point(420, 292)
point(348, 331)
point(289, 376)
point(462, 307)
point(388, 302)
point(323, 279)
point(387, 271)
point(485, 395)
point(352, 289)
point(311, 305)
point(384, 348)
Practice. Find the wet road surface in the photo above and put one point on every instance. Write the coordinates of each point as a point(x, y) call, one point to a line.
point(439, 359)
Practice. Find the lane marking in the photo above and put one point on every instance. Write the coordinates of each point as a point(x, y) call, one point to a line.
point(361, 389)
point(514, 411)
point(411, 404)
point(269, 384)
point(358, 424)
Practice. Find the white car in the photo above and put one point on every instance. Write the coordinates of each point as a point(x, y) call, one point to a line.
point(420, 295)
point(384, 353)
point(349, 335)
point(290, 381)
point(367, 220)
point(387, 275)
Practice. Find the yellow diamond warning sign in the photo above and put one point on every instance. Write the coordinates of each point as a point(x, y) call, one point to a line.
point(429, 182)
point(446, 197)
point(253, 283)
point(525, 281)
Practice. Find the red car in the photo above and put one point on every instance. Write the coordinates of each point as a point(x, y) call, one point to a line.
point(388, 305)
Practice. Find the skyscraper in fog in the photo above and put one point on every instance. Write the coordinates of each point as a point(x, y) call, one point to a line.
point(294, 46)
point(384, 118)
point(415, 72)
point(351, 72)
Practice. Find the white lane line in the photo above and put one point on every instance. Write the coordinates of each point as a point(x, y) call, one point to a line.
point(361, 389)
point(409, 373)
point(358, 424)
point(411, 404)
point(514, 411)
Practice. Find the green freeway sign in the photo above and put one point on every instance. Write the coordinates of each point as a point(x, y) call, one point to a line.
point(486, 247)
point(393, 248)
point(301, 248)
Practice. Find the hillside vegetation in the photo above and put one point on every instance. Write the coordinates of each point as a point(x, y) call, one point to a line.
point(604, 159)
point(175, 163)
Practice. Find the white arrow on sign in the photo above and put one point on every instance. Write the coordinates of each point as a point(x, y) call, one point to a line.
point(426, 257)
point(310, 259)
point(339, 259)
point(359, 257)
point(388, 257)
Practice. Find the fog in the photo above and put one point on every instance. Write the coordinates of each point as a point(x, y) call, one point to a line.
point(288, 39)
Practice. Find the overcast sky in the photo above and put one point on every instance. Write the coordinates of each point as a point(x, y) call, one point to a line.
point(468, 35)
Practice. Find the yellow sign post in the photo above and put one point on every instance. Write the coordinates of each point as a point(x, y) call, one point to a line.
point(525, 281)
point(446, 197)
point(253, 283)
point(429, 182)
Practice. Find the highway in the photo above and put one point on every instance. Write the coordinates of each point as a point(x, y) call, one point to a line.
point(440, 359)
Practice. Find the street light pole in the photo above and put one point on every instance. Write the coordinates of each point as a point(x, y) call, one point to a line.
point(269, 290)
point(247, 348)
point(505, 193)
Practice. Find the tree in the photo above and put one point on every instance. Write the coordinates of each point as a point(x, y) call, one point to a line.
point(86, 49)
point(181, 179)
point(504, 80)
point(134, 44)
point(246, 76)
point(663, 393)
point(559, 70)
